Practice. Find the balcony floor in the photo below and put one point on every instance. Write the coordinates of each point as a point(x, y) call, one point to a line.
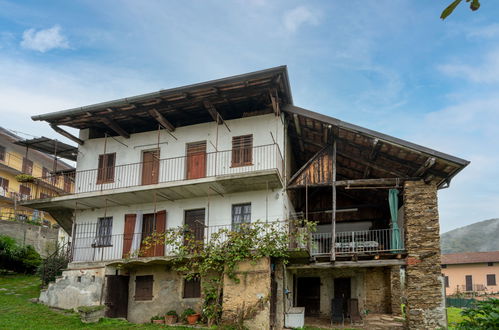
point(168, 191)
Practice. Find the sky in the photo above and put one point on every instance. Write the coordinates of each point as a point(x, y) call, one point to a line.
point(392, 66)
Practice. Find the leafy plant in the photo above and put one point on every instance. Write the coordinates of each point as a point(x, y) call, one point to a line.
point(20, 259)
point(25, 178)
point(483, 315)
point(156, 317)
point(474, 5)
point(172, 313)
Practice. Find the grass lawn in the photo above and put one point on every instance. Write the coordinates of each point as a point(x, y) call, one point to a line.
point(454, 316)
point(16, 312)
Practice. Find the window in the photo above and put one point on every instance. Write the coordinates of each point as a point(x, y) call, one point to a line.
point(143, 287)
point(4, 186)
point(444, 266)
point(490, 264)
point(446, 280)
point(192, 288)
point(24, 191)
point(2, 153)
point(241, 213)
point(45, 173)
point(27, 166)
point(242, 150)
point(105, 173)
point(104, 229)
point(491, 279)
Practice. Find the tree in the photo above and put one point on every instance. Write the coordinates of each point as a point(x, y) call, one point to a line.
point(474, 5)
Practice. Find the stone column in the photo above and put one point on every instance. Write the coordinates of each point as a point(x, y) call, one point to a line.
point(395, 290)
point(425, 303)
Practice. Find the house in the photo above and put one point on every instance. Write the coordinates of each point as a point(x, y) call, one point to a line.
point(236, 150)
point(17, 158)
point(471, 272)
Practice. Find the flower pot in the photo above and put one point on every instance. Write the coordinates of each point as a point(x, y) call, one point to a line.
point(158, 321)
point(192, 319)
point(92, 316)
point(170, 319)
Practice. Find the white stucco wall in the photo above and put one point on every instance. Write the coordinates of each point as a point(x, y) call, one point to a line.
point(265, 205)
point(265, 129)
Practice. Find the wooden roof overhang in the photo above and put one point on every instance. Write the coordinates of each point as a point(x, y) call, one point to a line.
point(234, 97)
point(51, 147)
point(364, 154)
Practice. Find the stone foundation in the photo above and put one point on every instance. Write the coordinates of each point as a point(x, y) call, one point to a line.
point(425, 301)
point(395, 290)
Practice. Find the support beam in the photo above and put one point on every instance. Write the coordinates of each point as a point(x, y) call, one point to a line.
point(333, 211)
point(67, 134)
point(213, 112)
point(371, 164)
point(344, 264)
point(376, 146)
point(360, 182)
point(161, 119)
point(274, 99)
point(298, 132)
point(115, 127)
point(427, 165)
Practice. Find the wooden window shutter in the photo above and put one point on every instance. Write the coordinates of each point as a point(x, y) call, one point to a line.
point(4, 183)
point(192, 288)
point(23, 190)
point(45, 173)
point(242, 150)
point(105, 173)
point(27, 166)
point(491, 279)
point(143, 287)
point(2, 153)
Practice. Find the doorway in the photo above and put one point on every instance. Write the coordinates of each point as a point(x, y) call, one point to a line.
point(469, 283)
point(342, 289)
point(194, 221)
point(117, 295)
point(196, 160)
point(153, 223)
point(309, 295)
point(150, 167)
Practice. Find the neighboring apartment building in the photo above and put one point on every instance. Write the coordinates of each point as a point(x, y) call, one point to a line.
point(471, 272)
point(16, 159)
point(236, 150)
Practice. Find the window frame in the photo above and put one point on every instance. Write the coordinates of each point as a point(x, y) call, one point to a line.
point(491, 278)
point(446, 281)
point(143, 283)
point(242, 150)
point(191, 288)
point(237, 226)
point(105, 174)
point(24, 187)
point(104, 233)
point(3, 153)
point(4, 183)
point(27, 166)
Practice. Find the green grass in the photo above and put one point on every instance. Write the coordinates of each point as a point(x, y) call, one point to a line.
point(454, 316)
point(17, 312)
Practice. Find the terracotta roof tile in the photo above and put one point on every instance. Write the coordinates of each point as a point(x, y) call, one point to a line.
point(470, 257)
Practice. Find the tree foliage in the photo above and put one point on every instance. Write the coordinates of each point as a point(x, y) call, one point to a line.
point(474, 5)
point(20, 259)
point(483, 315)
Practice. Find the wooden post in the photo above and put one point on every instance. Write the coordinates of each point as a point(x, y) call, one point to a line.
point(333, 208)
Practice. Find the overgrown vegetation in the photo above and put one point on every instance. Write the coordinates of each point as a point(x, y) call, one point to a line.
point(483, 315)
point(17, 258)
point(218, 258)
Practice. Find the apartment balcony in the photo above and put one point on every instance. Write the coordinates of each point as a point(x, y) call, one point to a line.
point(358, 243)
point(194, 175)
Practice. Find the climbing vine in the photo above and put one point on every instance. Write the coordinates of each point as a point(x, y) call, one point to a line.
point(217, 257)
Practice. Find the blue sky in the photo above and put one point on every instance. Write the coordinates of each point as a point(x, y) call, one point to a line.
point(392, 66)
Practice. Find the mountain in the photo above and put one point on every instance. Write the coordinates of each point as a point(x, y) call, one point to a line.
point(480, 236)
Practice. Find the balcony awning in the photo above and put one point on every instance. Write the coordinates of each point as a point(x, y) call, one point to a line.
point(51, 147)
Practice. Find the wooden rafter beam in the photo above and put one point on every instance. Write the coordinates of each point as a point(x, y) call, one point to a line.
point(359, 182)
point(274, 99)
point(67, 134)
point(376, 146)
point(161, 119)
point(371, 164)
point(213, 112)
point(298, 132)
point(115, 127)
point(425, 167)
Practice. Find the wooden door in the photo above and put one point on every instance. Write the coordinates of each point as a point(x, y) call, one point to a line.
point(117, 295)
point(159, 248)
point(150, 167)
point(196, 160)
point(148, 227)
point(469, 283)
point(128, 234)
point(309, 295)
point(342, 289)
point(194, 221)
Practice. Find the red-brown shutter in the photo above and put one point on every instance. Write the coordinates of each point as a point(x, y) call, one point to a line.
point(159, 249)
point(105, 172)
point(128, 234)
point(143, 287)
point(242, 150)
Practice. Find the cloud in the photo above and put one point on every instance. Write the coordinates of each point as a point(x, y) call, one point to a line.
point(485, 72)
point(489, 31)
point(299, 16)
point(44, 40)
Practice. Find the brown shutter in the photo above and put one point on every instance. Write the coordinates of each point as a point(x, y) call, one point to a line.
point(159, 249)
point(192, 288)
point(27, 166)
point(128, 234)
point(2, 153)
point(23, 190)
point(105, 172)
point(242, 150)
point(4, 183)
point(143, 287)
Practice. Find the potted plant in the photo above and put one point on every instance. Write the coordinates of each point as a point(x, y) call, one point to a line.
point(171, 317)
point(157, 319)
point(191, 316)
point(91, 314)
point(25, 178)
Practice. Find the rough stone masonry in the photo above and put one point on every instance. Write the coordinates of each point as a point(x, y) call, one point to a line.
point(425, 301)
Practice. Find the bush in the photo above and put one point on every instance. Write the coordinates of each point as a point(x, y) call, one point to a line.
point(483, 315)
point(20, 259)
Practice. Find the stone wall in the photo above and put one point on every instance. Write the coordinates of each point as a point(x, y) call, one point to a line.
point(251, 292)
point(395, 290)
point(377, 290)
point(425, 303)
point(167, 294)
point(43, 239)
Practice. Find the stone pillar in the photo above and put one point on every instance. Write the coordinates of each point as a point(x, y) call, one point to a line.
point(425, 303)
point(395, 290)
